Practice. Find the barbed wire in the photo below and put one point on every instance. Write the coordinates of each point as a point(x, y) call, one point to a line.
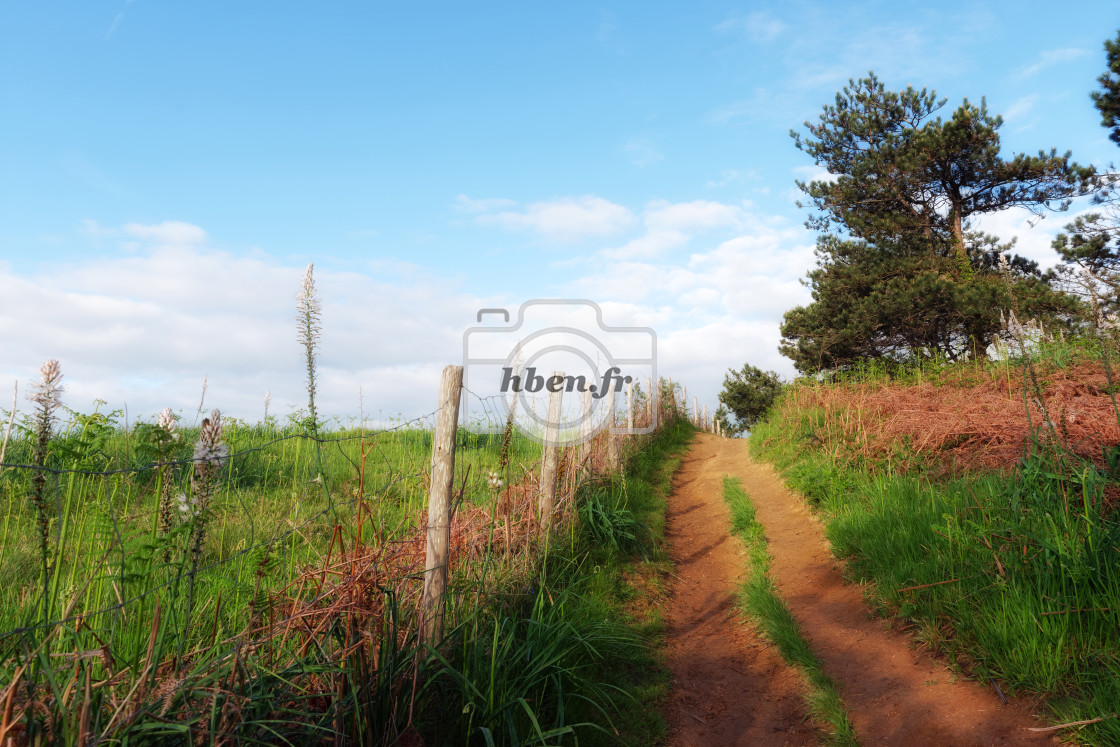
point(493, 407)
point(396, 477)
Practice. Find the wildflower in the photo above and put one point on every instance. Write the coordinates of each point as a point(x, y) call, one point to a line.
point(166, 422)
point(309, 309)
point(48, 389)
point(209, 449)
point(46, 396)
point(186, 506)
point(494, 481)
point(210, 453)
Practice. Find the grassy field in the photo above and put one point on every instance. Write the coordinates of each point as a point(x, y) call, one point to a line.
point(990, 529)
point(273, 597)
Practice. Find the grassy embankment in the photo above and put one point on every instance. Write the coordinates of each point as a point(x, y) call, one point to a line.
point(978, 501)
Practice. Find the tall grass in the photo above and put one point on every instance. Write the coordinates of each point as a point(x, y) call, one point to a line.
point(276, 601)
point(1015, 577)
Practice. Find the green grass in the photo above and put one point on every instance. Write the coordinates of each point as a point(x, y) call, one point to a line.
point(127, 643)
point(576, 652)
point(1021, 572)
point(759, 599)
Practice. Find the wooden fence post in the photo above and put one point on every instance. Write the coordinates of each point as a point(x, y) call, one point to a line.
point(546, 500)
point(695, 412)
point(630, 406)
point(649, 401)
point(585, 432)
point(439, 505)
point(612, 442)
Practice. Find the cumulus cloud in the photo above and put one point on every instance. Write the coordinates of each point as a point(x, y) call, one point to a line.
point(814, 174)
point(715, 307)
point(1032, 235)
point(698, 215)
point(144, 329)
point(565, 219)
point(172, 232)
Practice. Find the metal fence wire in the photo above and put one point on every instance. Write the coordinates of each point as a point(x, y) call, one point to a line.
point(139, 562)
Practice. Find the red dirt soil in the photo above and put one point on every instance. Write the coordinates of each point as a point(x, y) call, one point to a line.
point(731, 688)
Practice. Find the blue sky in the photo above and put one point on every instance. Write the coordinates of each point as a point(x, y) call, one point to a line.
point(167, 171)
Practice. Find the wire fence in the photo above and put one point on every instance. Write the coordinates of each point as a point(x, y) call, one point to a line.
point(121, 568)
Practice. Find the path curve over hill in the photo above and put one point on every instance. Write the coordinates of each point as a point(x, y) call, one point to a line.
point(731, 688)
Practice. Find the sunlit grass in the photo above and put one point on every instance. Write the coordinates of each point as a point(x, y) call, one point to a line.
point(1013, 577)
point(759, 599)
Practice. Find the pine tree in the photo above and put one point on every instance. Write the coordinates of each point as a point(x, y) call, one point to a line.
point(901, 273)
point(1108, 99)
point(1090, 246)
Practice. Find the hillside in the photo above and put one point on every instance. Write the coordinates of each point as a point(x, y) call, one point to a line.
point(977, 503)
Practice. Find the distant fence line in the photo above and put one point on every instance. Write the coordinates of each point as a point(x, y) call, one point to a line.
point(445, 445)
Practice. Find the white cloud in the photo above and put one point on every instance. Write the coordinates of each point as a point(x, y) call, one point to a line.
point(144, 329)
point(648, 246)
point(465, 204)
point(1051, 57)
point(814, 174)
point(169, 232)
point(1033, 235)
point(718, 308)
point(697, 215)
point(566, 219)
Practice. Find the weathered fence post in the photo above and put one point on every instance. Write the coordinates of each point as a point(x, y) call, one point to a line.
point(546, 500)
point(585, 433)
point(612, 442)
point(630, 406)
point(439, 505)
point(649, 401)
point(695, 412)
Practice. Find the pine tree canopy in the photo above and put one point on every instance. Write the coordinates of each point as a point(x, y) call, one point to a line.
point(1108, 99)
point(900, 271)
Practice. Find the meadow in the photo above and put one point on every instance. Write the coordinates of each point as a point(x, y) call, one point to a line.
point(260, 582)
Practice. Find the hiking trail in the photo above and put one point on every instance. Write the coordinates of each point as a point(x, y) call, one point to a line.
point(731, 687)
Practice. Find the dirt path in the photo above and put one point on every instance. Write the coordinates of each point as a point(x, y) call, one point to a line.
point(740, 687)
point(730, 687)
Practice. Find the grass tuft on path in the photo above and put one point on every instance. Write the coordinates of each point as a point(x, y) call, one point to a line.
point(759, 600)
